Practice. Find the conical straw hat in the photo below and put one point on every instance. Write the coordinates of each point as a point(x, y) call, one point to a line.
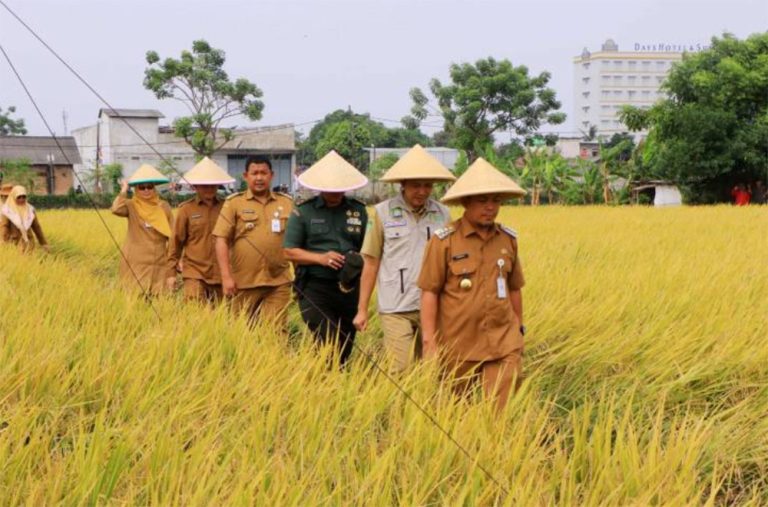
point(482, 178)
point(207, 172)
point(147, 174)
point(332, 174)
point(417, 164)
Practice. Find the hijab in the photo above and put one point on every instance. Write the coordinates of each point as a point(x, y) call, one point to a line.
point(20, 215)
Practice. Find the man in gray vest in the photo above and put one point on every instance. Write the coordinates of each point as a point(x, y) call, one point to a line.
point(393, 248)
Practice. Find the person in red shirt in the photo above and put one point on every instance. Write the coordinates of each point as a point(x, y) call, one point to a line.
point(741, 195)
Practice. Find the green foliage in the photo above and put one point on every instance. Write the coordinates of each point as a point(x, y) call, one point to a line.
point(198, 80)
point(9, 126)
point(712, 131)
point(349, 133)
point(381, 165)
point(18, 172)
point(113, 174)
point(487, 98)
point(104, 178)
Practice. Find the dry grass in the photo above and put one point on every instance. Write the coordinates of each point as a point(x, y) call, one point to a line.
point(646, 364)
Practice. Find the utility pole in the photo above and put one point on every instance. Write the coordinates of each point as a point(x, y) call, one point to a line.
point(50, 184)
point(64, 117)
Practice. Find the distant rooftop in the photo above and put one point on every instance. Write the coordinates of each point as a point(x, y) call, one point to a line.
point(131, 113)
point(37, 148)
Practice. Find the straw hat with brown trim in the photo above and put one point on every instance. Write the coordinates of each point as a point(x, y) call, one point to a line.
point(147, 174)
point(5, 190)
point(482, 178)
point(332, 174)
point(417, 164)
point(207, 172)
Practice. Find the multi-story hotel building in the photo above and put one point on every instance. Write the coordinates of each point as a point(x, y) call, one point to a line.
point(604, 81)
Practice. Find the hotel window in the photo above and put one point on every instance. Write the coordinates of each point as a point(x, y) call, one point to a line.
point(646, 94)
point(605, 108)
point(585, 79)
point(606, 93)
point(585, 122)
point(617, 79)
point(617, 64)
point(606, 78)
point(646, 80)
point(585, 94)
point(632, 79)
point(659, 79)
point(585, 108)
point(604, 63)
point(617, 93)
point(632, 65)
point(604, 122)
point(646, 65)
point(661, 65)
point(585, 65)
point(631, 94)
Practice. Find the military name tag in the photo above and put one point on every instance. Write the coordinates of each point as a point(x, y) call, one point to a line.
point(196, 215)
point(275, 225)
point(395, 223)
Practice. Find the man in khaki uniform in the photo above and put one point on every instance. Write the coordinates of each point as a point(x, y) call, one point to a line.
point(393, 247)
point(192, 244)
point(471, 281)
point(249, 245)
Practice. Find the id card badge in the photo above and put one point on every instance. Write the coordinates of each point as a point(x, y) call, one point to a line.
point(275, 225)
point(501, 288)
point(501, 282)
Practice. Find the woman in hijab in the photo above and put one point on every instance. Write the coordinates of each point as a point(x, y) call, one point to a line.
point(17, 219)
point(145, 250)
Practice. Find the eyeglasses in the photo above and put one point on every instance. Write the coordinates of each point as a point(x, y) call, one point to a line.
point(22, 197)
point(145, 187)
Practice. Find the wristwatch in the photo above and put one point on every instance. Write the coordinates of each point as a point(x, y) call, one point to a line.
point(522, 330)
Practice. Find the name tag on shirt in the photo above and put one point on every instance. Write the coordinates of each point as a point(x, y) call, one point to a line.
point(395, 223)
point(276, 225)
point(501, 288)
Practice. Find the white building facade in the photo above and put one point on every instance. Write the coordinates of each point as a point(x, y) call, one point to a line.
point(122, 136)
point(605, 81)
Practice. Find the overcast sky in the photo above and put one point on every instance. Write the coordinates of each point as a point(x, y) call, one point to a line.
point(313, 56)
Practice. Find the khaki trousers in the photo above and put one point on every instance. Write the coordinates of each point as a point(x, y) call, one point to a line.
point(264, 303)
point(497, 377)
point(402, 338)
point(201, 290)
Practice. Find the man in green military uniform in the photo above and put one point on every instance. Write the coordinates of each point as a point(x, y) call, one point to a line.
point(323, 238)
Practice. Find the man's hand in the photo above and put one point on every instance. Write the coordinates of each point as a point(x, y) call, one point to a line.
point(333, 260)
point(361, 320)
point(228, 286)
point(429, 349)
point(124, 187)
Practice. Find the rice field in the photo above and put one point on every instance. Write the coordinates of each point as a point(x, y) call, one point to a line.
point(646, 382)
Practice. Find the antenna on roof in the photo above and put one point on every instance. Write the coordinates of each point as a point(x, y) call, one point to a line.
point(64, 117)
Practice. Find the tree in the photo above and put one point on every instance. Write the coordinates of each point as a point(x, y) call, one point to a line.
point(9, 126)
point(485, 99)
point(198, 80)
point(18, 172)
point(349, 133)
point(712, 130)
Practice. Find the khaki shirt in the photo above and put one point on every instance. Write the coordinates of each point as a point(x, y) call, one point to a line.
point(474, 323)
point(193, 240)
point(256, 251)
point(9, 233)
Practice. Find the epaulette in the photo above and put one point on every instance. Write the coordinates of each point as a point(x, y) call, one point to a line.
point(508, 230)
point(283, 194)
point(302, 202)
point(445, 232)
point(232, 196)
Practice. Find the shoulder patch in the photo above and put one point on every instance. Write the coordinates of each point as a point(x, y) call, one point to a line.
point(232, 196)
point(444, 232)
point(509, 231)
point(302, 202)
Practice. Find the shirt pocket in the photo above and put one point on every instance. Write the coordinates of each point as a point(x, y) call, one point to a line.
point(460, 270)
point(395, 233)
point(319, 228)
point(247, 223)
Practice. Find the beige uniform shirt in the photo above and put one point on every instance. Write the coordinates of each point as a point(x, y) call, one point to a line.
point(254, 229)
point(145, 249)
point(11, 234)
point(193, 240)
point(474, 323)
